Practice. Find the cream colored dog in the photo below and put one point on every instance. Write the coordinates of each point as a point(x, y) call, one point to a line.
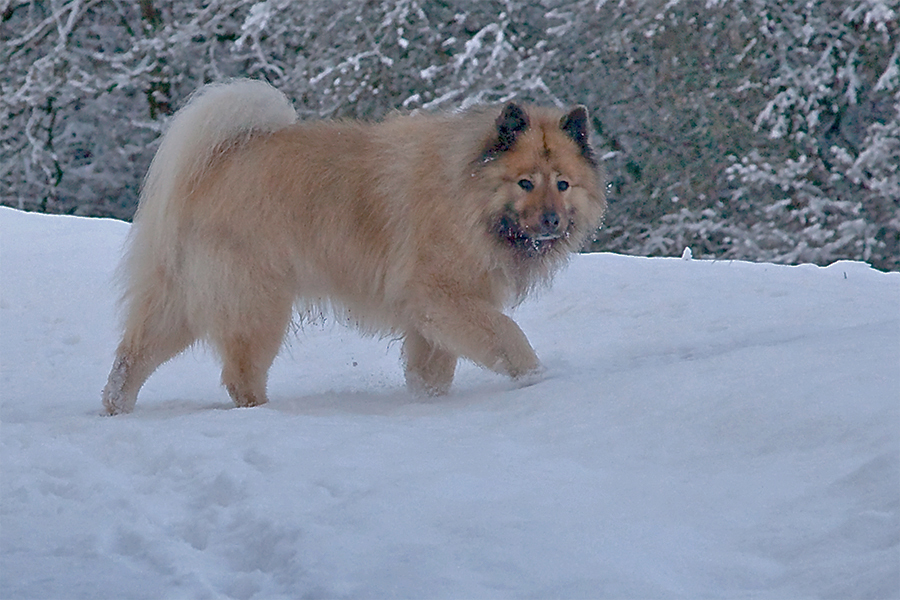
point(421, 226)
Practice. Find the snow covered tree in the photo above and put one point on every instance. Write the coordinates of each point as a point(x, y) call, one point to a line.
point(743, 128)
point(825, 178)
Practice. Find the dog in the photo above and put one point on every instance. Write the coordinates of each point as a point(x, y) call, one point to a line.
point(423, 227)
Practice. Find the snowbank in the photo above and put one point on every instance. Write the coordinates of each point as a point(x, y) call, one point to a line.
point(705, 429)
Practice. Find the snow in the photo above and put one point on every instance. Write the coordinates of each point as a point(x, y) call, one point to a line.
point(704, 429)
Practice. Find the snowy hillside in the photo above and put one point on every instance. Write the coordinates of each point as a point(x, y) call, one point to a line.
point(705, 429)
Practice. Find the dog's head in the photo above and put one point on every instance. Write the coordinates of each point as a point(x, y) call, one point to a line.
point(548, 194)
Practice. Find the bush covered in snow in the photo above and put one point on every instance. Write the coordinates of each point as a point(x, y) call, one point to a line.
point(741, 128)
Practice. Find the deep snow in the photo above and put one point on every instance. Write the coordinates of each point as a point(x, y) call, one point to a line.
point(705, 429)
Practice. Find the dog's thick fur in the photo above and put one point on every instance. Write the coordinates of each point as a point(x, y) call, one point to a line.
point(421, 226)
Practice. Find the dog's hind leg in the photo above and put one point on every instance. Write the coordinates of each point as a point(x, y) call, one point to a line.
point(429, 369)
point(248, 346)
point(154, 333)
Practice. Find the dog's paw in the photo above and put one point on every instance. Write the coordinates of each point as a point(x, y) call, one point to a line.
point(114, 404)
point(531, 377)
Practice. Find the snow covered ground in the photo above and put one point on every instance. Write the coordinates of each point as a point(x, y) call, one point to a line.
point(705, 429)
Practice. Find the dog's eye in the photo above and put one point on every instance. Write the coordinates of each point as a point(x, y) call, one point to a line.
point(526, 184)
point(562, 185)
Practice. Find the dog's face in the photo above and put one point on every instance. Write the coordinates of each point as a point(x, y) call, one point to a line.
point(549, 195)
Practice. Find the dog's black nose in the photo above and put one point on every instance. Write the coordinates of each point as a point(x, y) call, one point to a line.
point(550, 223)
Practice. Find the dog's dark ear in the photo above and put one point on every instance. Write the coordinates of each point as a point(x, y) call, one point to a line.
point(511, 122)
point(575, 125)
point(510, 125)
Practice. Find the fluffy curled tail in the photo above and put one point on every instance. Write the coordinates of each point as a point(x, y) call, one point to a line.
point(215, 114)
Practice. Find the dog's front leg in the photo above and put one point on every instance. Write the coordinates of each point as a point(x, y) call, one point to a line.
point(471, 327)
